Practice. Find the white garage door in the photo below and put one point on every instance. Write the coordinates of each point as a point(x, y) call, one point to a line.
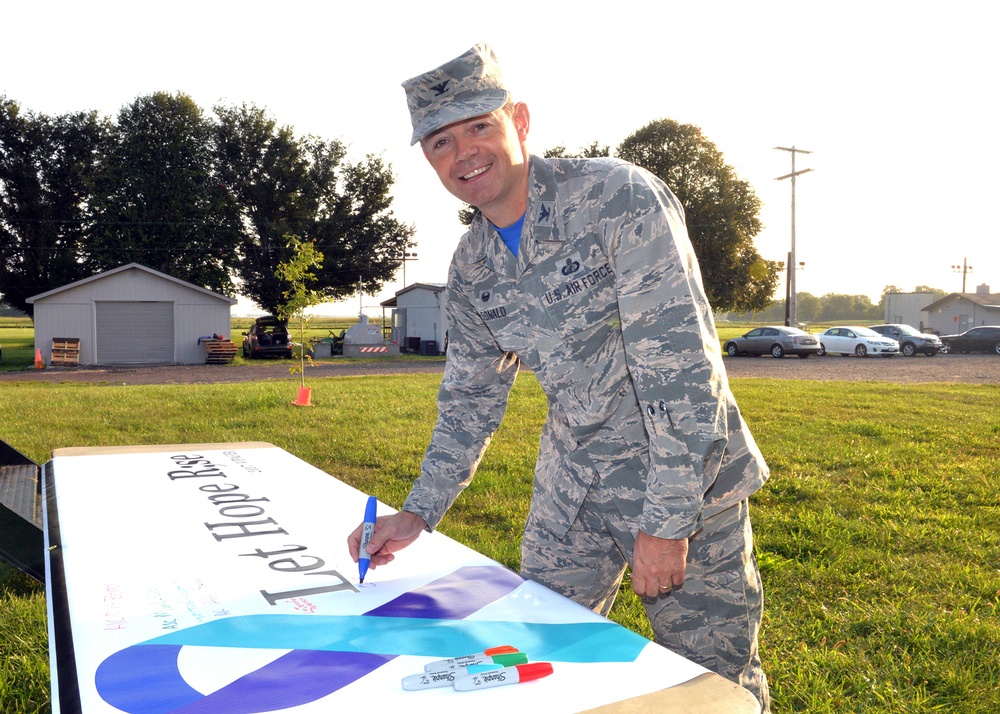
point(135, 332)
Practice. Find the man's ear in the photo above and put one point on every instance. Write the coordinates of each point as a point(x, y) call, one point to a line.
point(522, 120)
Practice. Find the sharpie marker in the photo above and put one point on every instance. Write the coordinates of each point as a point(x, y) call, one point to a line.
point(504, 660)
point(517, 674)
point(364, 560)
point(432, 680)
point(465, 660)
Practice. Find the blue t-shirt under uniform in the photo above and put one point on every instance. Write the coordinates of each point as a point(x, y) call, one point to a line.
point(511, 235)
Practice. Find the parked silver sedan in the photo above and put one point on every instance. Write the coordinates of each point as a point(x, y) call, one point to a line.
point(774, 341)
point(857, 340)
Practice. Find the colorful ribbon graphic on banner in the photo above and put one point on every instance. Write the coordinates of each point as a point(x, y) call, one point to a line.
point(330, 652)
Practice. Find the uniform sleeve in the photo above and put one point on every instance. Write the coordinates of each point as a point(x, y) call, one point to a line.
point(672, 349)
point(471, 403)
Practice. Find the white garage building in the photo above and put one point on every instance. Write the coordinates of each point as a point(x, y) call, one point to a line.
point(131, 315)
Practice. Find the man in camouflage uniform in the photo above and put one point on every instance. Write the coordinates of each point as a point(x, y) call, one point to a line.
point(581, 270)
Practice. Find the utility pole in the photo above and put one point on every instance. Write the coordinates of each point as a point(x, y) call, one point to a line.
point(407, 256)
point(791, 308)
point(964, 269)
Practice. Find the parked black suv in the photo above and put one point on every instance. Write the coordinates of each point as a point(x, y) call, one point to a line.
point(978, 339)
point(911, 340)
point(268, 337)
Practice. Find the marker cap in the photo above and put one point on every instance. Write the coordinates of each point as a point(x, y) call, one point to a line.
point(508, 660)
point(534, 670)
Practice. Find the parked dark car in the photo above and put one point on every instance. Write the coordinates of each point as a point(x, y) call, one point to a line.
point(774, 341)
point(911, 340)
point(979, 339)
point(268, 337)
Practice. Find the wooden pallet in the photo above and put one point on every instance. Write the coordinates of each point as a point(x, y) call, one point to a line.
point(65, 352)
point(219, 351)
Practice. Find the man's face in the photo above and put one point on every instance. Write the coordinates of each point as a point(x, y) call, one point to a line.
point(483, 161)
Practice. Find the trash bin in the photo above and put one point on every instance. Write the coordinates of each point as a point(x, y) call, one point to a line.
point(428, 348)
point(323, 349)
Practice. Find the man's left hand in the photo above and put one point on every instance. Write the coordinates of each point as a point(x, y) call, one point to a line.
point(658, 565)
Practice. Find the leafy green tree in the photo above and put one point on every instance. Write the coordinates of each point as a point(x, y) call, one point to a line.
point(47, 165)
point(594, 151)
point(266, 170)
point(848, 307)
point(206, 201)
point(808, 306)
point(938, 293)
point(889, 289)
point(722, 211)
point(159, 201)
point(354, 224)
point(286, 185)
point(297, 273)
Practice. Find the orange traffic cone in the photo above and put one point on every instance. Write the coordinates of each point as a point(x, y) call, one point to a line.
point(305, 394)
point(39, 364)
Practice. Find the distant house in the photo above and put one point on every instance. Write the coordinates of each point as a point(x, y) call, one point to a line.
point(131, 315)
point(418, 318)
point(907, 308)
point(959, 312)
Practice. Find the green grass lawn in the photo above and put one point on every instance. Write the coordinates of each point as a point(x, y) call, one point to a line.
point(878, 534)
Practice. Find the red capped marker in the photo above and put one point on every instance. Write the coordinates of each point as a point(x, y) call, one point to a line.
point(518, 674)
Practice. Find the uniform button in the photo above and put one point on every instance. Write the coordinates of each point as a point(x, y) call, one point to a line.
point(663, 406)
point(650, 410)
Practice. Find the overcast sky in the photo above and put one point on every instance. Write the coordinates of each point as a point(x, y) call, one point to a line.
point(895, 100)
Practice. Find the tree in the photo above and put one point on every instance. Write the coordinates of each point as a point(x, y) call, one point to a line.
point(938, 293)
point(721, 211)
point(355, 227)
point(159, 201)
point(266, 170)
point(305, 186)
point(594, 151)
point(297, 273)
point(47, 165)
point(848, 307)
point(204, 201)
point(808, 307)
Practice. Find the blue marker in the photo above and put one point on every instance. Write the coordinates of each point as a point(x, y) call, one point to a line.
point(364, 560)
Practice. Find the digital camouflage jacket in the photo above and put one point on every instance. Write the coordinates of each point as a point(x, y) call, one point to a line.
point(604, 303)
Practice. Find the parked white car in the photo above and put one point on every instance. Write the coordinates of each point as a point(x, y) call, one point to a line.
point(857, 340)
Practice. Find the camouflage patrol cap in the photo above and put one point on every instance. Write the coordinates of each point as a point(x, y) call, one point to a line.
point(468, 86)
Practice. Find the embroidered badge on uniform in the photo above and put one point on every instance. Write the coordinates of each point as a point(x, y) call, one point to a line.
point(544, 216)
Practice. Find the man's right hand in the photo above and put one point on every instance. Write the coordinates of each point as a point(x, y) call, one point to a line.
point(392, 534)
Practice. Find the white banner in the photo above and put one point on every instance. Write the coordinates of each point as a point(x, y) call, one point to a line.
point(217, 579)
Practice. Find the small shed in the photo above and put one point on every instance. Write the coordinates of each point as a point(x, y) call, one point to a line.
point(959, 312)
point(907, 308)
point(131, 315)
point(418, 323)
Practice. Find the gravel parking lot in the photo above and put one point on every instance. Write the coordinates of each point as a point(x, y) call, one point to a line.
point(968, 368)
